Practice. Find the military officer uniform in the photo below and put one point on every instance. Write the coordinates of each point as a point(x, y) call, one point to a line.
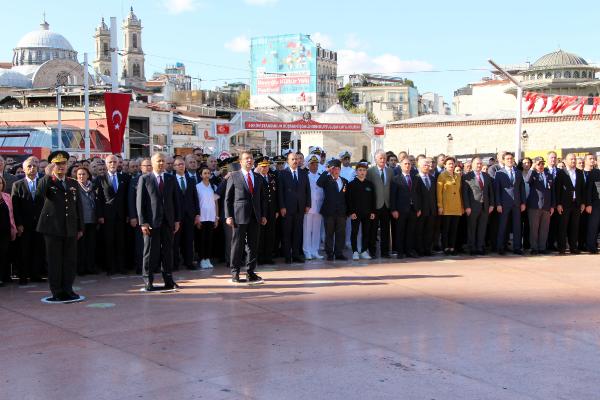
point(60, 222)
point(266, 242)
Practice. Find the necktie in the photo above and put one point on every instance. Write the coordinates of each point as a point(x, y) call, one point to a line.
point(295, 177)
point(114, 183)
point(480, 181)
point(193, 176)
point(512, 177)
point(544, 179)
point(32, 189)
point(427, 183)
point(409, 182)
point(161, 184)
point(182, 183)
point(250, 186)
point(382, 176)
point(64, 185)
point(585, 176)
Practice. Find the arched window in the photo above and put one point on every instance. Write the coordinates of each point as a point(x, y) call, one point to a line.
point(105, 49)
point(576, 74)
point(590, 99)
point(134, 40)
point(106, 72)
point(567, 74)
point(584, 74)
point(136, 70)
point(557, 75)
point(548, 75)
point(29, 58)
point(540, 75)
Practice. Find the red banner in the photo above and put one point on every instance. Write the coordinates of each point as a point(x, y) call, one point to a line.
point(559, 103)
point(302, 125)
point(222, 129)
point(378, 130)
point(117, 110)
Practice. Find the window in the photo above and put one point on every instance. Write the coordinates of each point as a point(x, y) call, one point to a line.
point(590, 99)
point(548, 75)
point(136, 70)
point(557, 75)
point(134, 40)
point(106, 72)
point(576, 74)
point(567, 74)
point(540, 75)
point(105, 49)
point(584, 74)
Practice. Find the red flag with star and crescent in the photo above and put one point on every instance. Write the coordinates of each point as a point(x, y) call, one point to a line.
point(117, 110)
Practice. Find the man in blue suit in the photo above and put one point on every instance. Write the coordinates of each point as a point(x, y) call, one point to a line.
point(509, 189)
point(294, 202)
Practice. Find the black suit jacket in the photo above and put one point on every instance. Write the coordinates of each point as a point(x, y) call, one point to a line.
point(425, 199)
point(26, 210)
point(155, 208)
point(472, 194)
point(592, 197)
point(334, 199)
point(565, 189)
point(271, 195)
point(115, 205)
point(240, 204)
point(294, 197)
point(188, 200)
point(132, 197)
point(61, 213)
point(402, 197)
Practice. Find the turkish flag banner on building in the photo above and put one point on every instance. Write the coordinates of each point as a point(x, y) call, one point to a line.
point(223, 129)
point(117, 110)
point(378, 130)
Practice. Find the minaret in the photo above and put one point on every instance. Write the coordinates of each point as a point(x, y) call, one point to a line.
point(133, 59)
point(102, 61)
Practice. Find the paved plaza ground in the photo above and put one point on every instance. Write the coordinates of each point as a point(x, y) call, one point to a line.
point(486, 328)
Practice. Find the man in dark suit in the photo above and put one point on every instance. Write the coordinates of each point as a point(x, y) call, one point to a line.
point(540, 206)
point(113, 191)
point(267, 232)
point(183, 245)
point(478, 202)
point(333, 210)
point(10, 179)
point(552, 168)
point(381, 176)
point(426, 207)
point(61, 223)
point(294, 202)
point(27, 209)
point(570, 202)
point(402, 205)
point(145, 168)
point(245, 212)
point(159, 216)
point(509, 190)
point(593, 209)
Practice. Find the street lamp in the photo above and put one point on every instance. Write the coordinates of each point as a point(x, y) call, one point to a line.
point(519, 116)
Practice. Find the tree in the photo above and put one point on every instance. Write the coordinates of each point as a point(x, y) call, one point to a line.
point(345, 97)
point(372, 118)
point(243, 100)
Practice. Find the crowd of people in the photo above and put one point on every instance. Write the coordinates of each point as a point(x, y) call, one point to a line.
point(63, 216)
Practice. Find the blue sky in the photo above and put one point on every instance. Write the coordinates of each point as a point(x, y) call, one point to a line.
point(370, 36)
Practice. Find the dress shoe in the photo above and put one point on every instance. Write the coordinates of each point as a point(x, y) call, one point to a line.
point(518, 252)
point(400, 256)
point(482, 252)
point(562, 253)
point(269, 262)
point(386, 255)
point(544, 252)
point(235, 278)
point(73, 296)
point(299, 259)
point(341, 257)
point(23, 281)
point(473, 253)
point(38, 279)
point(501, 252)
point(534, 252)
point(413, 254)
point(171, 286)
point(288, 261)
point(329, 258)
point(149, 287)
point(575, 251)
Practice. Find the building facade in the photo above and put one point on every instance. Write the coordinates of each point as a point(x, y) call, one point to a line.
point(326, 78)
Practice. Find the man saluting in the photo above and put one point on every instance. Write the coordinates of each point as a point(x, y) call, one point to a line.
point(61, 224)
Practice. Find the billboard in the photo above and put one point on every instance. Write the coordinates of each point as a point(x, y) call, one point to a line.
point(285, 68)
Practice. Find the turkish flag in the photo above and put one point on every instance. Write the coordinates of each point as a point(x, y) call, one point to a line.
point(223, 129)
point(117, 110)
point(378, 130)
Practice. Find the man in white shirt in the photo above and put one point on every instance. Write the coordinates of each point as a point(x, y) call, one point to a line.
point(313, 219)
